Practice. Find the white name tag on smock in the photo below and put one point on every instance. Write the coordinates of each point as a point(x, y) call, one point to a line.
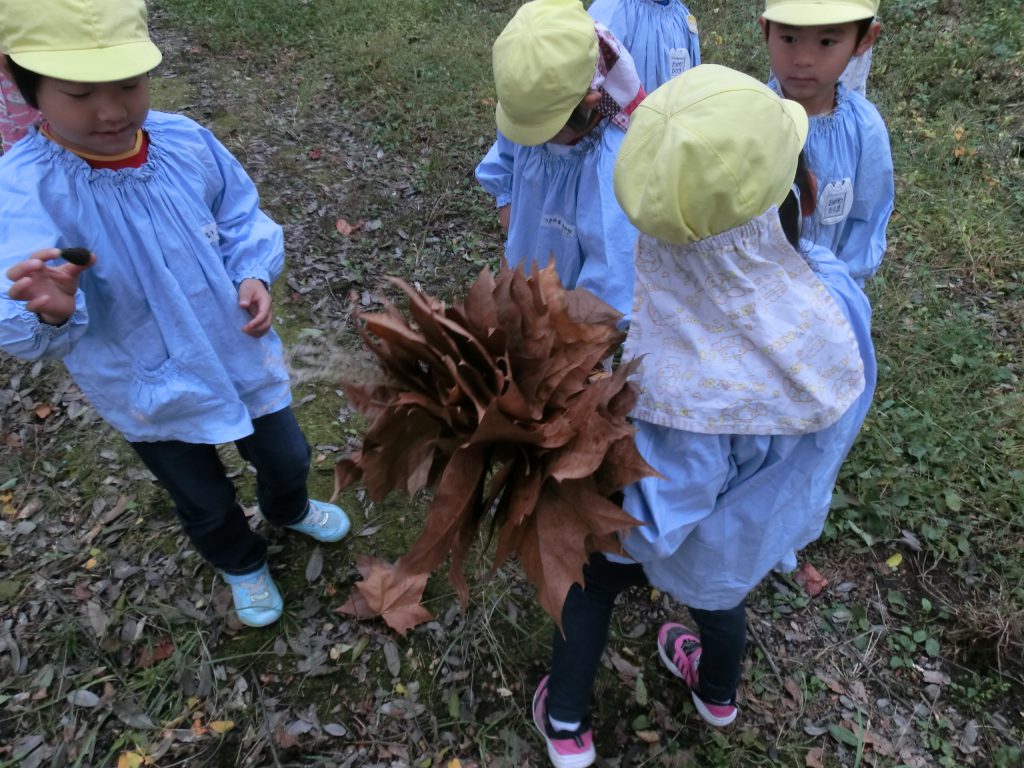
point(678, 61)
point(835, 202)
point(553, 221)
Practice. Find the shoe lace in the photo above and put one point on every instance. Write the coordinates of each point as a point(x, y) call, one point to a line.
point(256, 589)
point(316, 517)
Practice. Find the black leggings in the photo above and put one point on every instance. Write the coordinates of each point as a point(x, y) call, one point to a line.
point(586, 617)
point(204, 496)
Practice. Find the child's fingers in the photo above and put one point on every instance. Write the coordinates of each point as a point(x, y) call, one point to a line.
point(39, 261)
point(33, 263)
point(21, 288)
point(258, 325)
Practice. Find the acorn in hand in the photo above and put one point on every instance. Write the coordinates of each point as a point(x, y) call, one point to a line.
point(77, 256)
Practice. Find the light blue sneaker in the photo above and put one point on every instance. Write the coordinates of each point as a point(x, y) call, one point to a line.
point(257, 601)
point(323, 522)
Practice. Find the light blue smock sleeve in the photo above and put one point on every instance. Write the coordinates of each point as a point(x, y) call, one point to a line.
point(252, 243)
point(862, 243)
point(495, 171)
point(26, 227)
point(848, 151)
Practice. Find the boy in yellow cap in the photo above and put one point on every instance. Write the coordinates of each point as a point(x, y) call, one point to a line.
point(133, 248)
point(756, 373)
point(810, 43)
point(566, 88)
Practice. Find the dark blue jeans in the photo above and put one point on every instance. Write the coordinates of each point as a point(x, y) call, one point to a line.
point(204, 496)
point(586, 617)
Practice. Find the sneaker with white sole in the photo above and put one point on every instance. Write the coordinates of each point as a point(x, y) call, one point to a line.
point(566, 749)
point(323, 522)
point(680, 651)
point(257, 601)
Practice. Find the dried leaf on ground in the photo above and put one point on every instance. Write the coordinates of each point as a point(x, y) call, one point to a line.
point(493, 402)
point(809, 578)
point(386, 592)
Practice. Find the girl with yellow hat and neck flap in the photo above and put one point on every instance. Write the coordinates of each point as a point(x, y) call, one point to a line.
point(757, 371)
point(566, 88)
point(133, 248)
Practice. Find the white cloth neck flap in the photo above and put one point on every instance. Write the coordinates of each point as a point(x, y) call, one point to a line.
point(738, 336)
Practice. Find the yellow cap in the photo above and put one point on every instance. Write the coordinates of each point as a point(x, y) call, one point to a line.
point(706, 152)
point(813, 13)
point(544, 61)
point(85, 41)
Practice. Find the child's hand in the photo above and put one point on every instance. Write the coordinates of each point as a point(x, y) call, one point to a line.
point(49, 291)
point(254, 297)
point(504, 216)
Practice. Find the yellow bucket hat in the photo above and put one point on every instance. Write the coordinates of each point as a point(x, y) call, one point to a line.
point(812, 13)
point(544, 61)
point(709, 150)
point(85, 41)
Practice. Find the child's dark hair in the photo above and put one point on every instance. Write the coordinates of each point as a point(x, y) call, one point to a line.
point(863, 25)
point(796, 206)
point(26, 80)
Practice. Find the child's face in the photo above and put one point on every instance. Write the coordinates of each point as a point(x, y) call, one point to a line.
point(95, 118)
point(807, 61)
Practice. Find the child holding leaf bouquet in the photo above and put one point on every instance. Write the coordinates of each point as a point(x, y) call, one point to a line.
point(756, 372)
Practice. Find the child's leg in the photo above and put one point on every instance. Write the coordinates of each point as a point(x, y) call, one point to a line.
point(205, 499)
point(723, 640)
point(585, 618)
point(279, 452)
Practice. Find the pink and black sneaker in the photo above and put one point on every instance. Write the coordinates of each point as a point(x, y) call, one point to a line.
point(680, 650)
point(566, 749)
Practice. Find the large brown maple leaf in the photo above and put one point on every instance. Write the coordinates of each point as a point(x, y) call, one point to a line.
point(501, 404)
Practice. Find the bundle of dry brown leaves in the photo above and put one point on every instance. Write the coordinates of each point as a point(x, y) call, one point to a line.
point(495, 404)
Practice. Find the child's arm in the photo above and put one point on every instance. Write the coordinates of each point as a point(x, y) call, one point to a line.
point(863, 243)
point(54, 317)
point(251, 242)
point(31, 281)
point(495, 175)
point(47, 290)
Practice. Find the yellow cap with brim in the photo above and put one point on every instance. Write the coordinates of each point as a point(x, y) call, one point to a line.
point(708, 151)
point(85, 41)
point(814, 13)
point(544, 61)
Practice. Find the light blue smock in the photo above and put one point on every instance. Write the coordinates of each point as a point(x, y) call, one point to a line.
point(661, 36)
point(730, 508)
point(564, 207)
point(155, 342)
point(848, 151)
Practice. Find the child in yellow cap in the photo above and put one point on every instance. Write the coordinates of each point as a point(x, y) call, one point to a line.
point(132, 247)
point(756, 373)
point(660, 35)
point(566, 88)
point(810, 43)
